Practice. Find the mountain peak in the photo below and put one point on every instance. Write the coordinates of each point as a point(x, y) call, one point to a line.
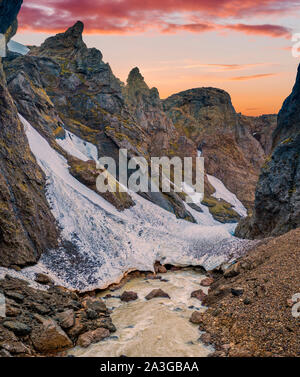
point(62, 43)
point(135, 76)
point(76, 30)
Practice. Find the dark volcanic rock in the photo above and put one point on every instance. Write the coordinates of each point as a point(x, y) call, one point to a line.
point(17, 328)
point(196, 317)
point(129, 296)
point(9, 10)
point(277, 199)
point(92, 337)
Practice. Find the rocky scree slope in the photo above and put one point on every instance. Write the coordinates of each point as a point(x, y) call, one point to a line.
point(250, 304)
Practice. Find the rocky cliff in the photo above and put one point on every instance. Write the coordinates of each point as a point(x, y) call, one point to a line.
point(64, 85)
point(277, 199)
point(225, 138)
point(8, 16)
point(27, 227)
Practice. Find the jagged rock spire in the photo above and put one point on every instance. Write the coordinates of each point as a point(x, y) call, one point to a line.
point(64, 42)
point(135, 79)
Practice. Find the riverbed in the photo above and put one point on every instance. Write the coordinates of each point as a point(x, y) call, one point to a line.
point(158, 327)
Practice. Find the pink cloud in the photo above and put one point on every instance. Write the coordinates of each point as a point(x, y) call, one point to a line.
point(135, 16)
point(269, 30)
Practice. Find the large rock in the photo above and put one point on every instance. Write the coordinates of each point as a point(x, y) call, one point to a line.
point(277, 199)
point(94, 336)
point(49, 337)
point(64, 85)
point(129, 296)
point(155, 293)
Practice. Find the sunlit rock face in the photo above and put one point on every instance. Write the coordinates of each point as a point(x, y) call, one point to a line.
point(277, 199)
point(231, 152)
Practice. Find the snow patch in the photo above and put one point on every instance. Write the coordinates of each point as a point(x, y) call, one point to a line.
point(14, 46)
point(223, 193)
point(77, 147)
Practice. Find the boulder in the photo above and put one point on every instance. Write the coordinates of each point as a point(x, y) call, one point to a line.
point(94, 336)
point(128, 296)
point(237, 291)
point(66, 319)
point(157, 293)
point(206, 282)
point(199, 294)
point(43, 279)
point(49, 337)
point(196, 317)
point(97, 305)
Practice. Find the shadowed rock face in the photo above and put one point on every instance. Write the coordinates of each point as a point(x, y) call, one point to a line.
point(231, 153)
point(277, 199)
point(27, 227)
point(9, 10)
point(261, 128)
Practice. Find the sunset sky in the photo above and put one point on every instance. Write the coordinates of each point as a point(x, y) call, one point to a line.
point(243, 47)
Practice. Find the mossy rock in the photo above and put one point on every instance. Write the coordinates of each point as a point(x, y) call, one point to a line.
point(86, 172)
point(221, 210)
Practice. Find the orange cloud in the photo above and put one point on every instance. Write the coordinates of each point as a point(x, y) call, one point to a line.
point(251, 77)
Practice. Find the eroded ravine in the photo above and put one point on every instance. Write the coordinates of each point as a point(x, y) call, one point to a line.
point(156, 327)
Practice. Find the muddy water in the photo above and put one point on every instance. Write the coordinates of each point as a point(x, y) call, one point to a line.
point(159, 327)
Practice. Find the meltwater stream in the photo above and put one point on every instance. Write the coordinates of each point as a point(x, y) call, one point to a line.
point(158, 327)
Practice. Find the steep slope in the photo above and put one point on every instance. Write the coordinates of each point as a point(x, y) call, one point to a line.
point(231, 153)
point(277, 199)
point(259, 321)
point(27, 226)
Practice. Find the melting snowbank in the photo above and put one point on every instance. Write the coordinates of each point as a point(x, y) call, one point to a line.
point(100, 244)
point(223, 193)
point(77, 147)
